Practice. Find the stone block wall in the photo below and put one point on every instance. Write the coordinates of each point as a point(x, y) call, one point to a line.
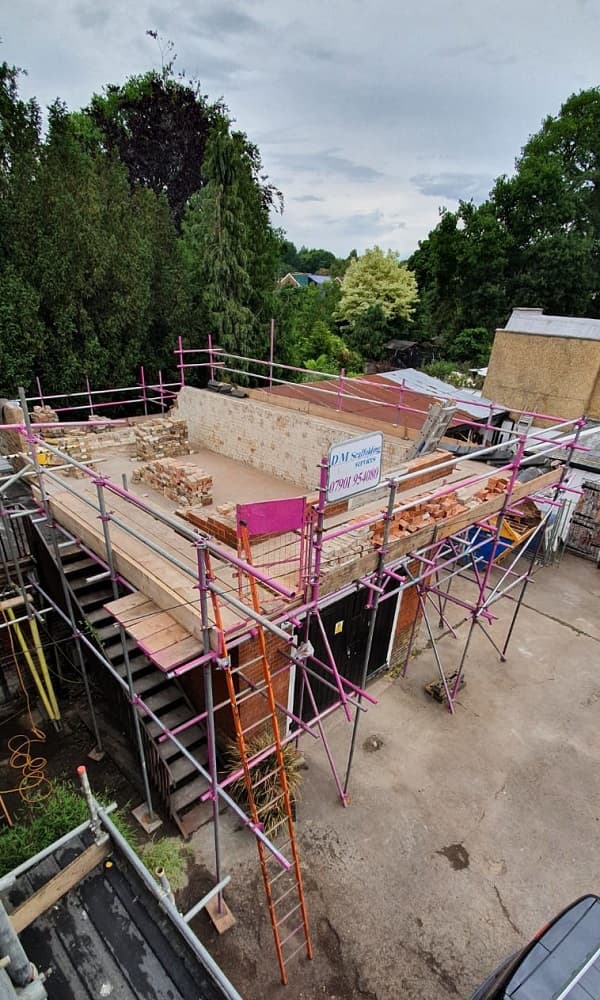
point(280, 442)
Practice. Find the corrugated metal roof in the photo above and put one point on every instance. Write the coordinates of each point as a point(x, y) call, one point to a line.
point(428, 385)
point(536, 321)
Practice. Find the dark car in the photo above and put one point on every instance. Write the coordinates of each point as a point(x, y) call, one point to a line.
point(563, 960)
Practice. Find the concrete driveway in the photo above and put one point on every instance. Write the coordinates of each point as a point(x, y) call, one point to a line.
point(464, 834)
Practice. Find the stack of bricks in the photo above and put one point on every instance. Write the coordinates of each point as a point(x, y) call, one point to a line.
point(183, 482)
point(74, 443)
point(496, 485)
point(421, 515)
point(43, 415)
point(345, 549)
point(222, 524)
point(161, 438)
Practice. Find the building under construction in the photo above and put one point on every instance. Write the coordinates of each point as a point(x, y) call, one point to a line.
point(233, 565)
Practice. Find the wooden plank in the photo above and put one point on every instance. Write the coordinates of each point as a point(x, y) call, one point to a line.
point(168, 587)
point(166, 637)
point(14, 602)
point(175, 655)
point(57, 887)
point(149, 625)
point(133, 615)
point(124, 604)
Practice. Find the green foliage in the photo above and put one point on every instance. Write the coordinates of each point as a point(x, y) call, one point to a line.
point(95, 278)
point(534, 242)
point(49, 819)
point(377, 279)
point(267, 794)
point(306, 333)
point(170, 854)
point(472, 346)
point(229, 249)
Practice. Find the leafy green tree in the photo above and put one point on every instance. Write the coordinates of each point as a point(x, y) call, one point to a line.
point(377, 279)
point(534, 242)
point(473, 346)
point(315, 261)
point(301, 317)
point(370, 331)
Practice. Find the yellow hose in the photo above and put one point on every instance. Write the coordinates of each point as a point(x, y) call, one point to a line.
point(44, 667)
point(38, 683)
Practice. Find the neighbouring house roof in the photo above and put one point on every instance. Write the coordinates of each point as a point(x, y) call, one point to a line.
point(399, 345)
point(108, 936)
point(304, 279)
point(418, 381)
point(537, 322)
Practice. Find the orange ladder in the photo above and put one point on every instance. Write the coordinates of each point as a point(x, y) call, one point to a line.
point(283, 888)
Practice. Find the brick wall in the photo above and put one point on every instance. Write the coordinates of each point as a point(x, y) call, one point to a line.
point(253, 708)
point(408, 611)
point(280, 442)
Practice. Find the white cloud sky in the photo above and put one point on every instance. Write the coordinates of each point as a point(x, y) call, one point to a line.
point(369, 115)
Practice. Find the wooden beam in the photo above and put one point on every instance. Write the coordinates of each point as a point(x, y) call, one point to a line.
point(59, 886)
point(14, 602)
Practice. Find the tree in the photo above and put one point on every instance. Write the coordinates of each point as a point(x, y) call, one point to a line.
point(229, 248)
point(159, 127)
point(473, 346)
point(377, 279)
point(304, 323)
point(378, 296)
point(534, 242)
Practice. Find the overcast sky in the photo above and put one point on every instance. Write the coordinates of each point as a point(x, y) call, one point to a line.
point(370, 114)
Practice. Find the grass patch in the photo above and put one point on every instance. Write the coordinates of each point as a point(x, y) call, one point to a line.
point(48, 820)
point(172, 855)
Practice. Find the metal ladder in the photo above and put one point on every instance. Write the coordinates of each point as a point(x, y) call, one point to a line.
point(284, 890)
point(436, 424)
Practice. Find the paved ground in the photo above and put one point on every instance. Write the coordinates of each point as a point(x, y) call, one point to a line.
point(464, 834)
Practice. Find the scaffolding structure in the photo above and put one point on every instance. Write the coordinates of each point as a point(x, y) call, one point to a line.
point(394, 566)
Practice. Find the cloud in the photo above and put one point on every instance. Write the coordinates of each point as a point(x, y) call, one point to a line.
point(91, 15)
point(327, 161)
point(225, 20)
point(363, 223)
point(453, 185)
point(307, 197)
point(479, 51)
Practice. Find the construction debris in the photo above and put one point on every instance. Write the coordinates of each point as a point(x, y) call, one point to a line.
point(185, 483)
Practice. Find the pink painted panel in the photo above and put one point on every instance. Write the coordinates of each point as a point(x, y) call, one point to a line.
point(272, 517)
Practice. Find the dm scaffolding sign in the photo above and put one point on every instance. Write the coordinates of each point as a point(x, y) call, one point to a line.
point(354, 466)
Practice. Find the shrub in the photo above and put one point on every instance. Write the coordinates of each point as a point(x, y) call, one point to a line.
point(267, 792)
point(172, 855)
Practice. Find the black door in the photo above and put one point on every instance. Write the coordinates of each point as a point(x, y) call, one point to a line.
point(346, 625)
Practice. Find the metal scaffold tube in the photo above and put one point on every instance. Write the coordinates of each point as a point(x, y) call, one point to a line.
point(105, 521)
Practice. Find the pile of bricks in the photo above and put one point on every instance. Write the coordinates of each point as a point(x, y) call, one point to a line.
point(161, 438)
point(421, 515)
point(222, 525)
point(73, 443)
point(495, 486)
point(183, 482)
point(43, 415)
point(345, 549)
